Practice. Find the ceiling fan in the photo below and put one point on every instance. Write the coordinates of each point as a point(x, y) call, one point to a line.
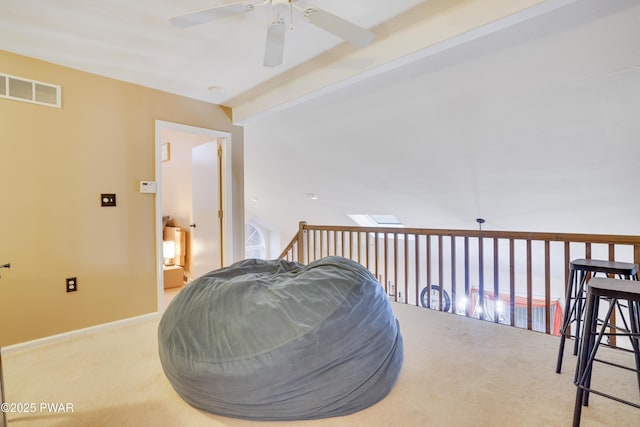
point(274, 47)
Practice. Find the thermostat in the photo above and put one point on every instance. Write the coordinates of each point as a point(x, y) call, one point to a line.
point(148, 186)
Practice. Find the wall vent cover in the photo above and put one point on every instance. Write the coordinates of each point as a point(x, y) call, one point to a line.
point(26, 90)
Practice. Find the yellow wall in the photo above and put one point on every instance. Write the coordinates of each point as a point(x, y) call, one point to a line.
point(54, 163)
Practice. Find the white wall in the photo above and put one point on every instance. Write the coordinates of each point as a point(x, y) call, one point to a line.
point(534, 128)
point(176, 175)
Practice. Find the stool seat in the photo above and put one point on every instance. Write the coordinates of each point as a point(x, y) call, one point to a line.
point(614, 288)
point(608, 267)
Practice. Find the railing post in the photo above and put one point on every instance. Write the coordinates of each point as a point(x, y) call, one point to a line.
point(301, 230)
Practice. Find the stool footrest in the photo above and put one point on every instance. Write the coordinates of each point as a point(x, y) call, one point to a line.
point(617, 365)
point(616, 398)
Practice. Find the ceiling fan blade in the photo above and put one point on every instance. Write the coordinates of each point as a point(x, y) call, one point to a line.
point(213, 13)
point(348, 31)
point(274, 47)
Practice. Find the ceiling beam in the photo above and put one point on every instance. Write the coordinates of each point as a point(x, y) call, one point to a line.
point(424, 30)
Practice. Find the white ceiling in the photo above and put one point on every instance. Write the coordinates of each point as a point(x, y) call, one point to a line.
point(134, 41)
point(458, 109)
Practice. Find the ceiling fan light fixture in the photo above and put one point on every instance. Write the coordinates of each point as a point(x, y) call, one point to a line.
point(274, 45)
point(281, 6)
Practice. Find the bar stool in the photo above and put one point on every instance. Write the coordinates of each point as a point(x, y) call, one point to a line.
point(615, 290)
point(573, 305)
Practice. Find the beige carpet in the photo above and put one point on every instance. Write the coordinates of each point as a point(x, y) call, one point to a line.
point(457, 372)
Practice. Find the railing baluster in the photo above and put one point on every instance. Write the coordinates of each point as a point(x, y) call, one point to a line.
point(612, 320)
point(395, 266)
point(367, 243)
point(335, 243)
point(377, 249)
point(440, 274)
point(315, 244)
point(529, 288)
point(481, 275)
point(454, 299)
point(416, 257)
point(428, 255)
point(547, 286)
point(406, 267)
point(350, 245)
point(512, 281)
point(567, 264)
point(386, 263)
point(466, 276)
point(496, 285)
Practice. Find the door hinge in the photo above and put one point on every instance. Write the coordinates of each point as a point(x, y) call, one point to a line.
point(219, 150)
point(219, 214)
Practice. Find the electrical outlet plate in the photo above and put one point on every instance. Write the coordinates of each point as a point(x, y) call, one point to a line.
point(72, 284)
point(108, 199)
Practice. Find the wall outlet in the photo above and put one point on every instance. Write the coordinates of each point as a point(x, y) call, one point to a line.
point(72, 284)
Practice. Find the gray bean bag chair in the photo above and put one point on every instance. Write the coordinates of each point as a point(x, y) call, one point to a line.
point(276, 340)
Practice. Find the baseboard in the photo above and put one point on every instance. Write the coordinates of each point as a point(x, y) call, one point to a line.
point(40, 342)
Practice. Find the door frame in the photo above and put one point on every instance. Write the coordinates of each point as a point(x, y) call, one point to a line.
point(227, 243)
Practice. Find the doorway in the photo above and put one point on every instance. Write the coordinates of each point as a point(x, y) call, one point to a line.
point(188, 149)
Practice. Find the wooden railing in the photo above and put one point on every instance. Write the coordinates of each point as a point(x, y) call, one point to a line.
point(517, 278)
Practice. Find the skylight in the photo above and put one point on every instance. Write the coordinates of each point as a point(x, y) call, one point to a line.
point(372, 220)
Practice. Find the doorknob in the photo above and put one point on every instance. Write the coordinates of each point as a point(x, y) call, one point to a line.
point(7, 265)
point(192, 225)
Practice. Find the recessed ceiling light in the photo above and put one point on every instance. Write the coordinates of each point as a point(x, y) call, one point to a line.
point(254, 200)
point(312, 196)
point(215, 89)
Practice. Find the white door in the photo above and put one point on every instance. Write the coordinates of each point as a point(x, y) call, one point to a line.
point(205, 224)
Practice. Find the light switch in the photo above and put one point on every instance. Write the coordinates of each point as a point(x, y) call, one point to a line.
point(108, 199)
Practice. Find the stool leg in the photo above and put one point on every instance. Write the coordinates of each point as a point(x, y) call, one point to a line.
point(579, 296)
point(595, 342)
point(635, 330)
point(565, 320)
point(583, 358)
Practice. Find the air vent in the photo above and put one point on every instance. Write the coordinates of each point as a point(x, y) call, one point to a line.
point(21, 89)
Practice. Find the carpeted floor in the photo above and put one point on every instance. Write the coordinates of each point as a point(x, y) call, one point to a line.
point(457, 372)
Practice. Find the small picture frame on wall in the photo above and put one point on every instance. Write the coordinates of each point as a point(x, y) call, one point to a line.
point(165, 152)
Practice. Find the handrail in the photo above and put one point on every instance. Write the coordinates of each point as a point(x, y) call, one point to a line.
point(523, 266)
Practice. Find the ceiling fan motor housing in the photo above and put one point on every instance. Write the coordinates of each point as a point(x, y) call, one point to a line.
point(281, 6)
